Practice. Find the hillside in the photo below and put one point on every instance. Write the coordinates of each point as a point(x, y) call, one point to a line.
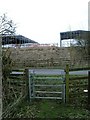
point(50, 56)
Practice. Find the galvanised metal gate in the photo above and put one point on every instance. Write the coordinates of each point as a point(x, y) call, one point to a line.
point(47, 84)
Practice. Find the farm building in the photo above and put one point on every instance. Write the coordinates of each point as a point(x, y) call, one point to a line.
point(16, 39)
point(72, 35)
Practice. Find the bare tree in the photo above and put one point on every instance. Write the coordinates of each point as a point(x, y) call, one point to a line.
point(7, 26)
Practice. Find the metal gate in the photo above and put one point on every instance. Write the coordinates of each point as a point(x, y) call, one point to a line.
point(47, 84)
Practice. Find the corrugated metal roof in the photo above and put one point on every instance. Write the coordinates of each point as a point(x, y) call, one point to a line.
point(16, 39)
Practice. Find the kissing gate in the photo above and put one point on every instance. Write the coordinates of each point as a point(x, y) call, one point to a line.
point(47, 84)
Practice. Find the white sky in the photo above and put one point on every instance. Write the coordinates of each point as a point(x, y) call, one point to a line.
point(43, 20)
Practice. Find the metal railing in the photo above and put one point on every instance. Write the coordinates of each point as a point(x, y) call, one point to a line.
point(46, 84)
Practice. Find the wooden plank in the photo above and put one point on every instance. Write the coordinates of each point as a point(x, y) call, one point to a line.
point(77, 69)
point(15, 77)
point(18, 70)
point(79, 93)
point(15, 73)
point(81, 86)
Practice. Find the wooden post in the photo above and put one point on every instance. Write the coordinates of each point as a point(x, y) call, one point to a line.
point(31, 86)
point(27, 82)
point(67, 83)
point(89, 90)
point(63, 94)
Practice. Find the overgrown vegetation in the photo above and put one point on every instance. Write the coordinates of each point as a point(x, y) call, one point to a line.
point(6, 63)
point(6, 69)
point(77, 108)
point(77, 96)
point(6, 27)
point(48, 109)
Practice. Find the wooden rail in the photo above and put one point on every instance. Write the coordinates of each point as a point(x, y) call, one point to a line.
point(43, 77)
point(79, 78)
point(78, 69)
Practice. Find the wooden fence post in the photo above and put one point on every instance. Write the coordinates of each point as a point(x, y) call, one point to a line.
point(67, 83)
point(31, 86)
point(89, 90)
point(27, 82)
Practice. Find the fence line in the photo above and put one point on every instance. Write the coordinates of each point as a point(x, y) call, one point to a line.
point(67, 86)
point(16, 92)
point(85, 84)
point(30, 81)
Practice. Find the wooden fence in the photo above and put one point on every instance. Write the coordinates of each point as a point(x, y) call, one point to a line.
point(50, 85)
point(77, 87)
point(13, 92)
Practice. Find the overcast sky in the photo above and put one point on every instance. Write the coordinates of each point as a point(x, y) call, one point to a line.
point(43, 20)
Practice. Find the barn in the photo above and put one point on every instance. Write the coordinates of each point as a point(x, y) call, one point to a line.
point(15, 39)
